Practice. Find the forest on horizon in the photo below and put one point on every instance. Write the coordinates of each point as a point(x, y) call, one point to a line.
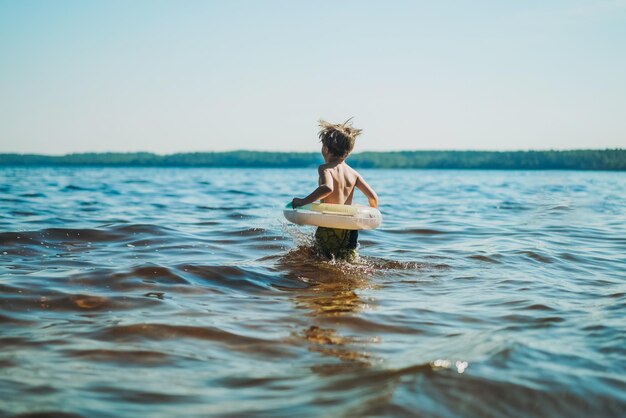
point(607, 159)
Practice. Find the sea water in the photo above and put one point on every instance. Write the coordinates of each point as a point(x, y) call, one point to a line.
point(184, 292)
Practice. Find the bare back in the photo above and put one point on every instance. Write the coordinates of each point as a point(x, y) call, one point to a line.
point(344, 181)
point(337, 181)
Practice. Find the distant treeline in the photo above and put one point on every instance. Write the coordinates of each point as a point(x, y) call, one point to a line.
point(609, 159)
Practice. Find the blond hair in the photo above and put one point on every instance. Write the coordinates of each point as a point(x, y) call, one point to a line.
point(338, 138)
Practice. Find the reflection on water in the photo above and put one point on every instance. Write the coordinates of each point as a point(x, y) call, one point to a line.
point(163, 292)
point(331, 293)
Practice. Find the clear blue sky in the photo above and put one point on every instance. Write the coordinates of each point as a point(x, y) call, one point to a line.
point(168, 76)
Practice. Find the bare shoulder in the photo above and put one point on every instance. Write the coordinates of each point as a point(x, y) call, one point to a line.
point(327, 170)
point(353, 172)
point(322, 168)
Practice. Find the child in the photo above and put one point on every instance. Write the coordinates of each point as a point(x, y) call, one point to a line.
point(337, 181)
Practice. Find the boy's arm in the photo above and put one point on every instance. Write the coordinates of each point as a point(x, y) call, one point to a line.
point(325, 188)
point(371, 195)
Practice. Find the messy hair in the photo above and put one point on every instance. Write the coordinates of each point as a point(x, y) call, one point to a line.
point(338, 138)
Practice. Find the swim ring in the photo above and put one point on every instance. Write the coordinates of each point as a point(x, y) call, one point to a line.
point(331, 215)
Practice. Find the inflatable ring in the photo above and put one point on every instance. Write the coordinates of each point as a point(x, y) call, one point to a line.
point(331, 215)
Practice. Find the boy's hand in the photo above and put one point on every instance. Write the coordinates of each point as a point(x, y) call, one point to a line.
point(297, 202)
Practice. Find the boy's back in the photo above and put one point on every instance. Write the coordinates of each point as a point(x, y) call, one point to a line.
point(343, 179)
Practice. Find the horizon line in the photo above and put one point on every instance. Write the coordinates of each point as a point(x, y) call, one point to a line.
point(308, 152)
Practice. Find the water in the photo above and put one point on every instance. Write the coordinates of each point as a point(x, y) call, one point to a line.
point(182, 292)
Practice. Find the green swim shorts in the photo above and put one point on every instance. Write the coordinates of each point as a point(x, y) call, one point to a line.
point(337, 243)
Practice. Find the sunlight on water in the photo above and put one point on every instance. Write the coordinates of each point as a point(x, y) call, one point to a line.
point(161, 292)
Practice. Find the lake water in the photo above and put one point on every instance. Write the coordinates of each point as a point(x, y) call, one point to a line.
point(183, 292)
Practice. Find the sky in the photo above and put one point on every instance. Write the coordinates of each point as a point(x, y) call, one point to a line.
point(181, 76)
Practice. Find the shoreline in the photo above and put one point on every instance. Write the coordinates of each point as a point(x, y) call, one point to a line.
point(578, 160)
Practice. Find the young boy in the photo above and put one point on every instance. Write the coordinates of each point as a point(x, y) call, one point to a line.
point(337, 181)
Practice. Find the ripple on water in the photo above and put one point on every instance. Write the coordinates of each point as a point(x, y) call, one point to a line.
point(164, 292)
point(158, 332)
